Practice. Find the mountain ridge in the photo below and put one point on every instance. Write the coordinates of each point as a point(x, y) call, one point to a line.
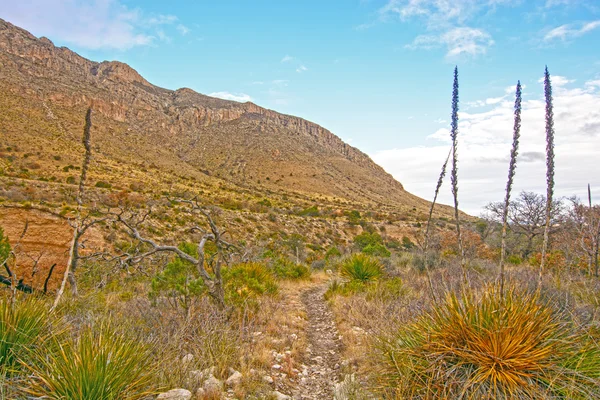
point(246, 142)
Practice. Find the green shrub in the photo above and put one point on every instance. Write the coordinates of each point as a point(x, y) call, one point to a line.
point(246, 282)
point(283, 268)
point(312, 211)
point(103, 185)
point(99, 365)
point(491, 347)
point(371, 243)
point(332, 252)
point(23, 326)
point(179, 280)
point(361, 267)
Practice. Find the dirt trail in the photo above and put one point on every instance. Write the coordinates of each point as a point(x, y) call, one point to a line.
point(323, 351)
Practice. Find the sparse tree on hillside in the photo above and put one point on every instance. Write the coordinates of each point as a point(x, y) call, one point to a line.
point(454, 173)
point(511, 174)
point(526, 216)
point(549, 168)
point(213, 282)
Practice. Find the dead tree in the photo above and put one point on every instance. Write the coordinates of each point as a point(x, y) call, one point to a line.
point(214, 281)
point(81, 224)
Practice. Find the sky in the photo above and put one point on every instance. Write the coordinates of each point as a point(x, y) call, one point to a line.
point(377, 73)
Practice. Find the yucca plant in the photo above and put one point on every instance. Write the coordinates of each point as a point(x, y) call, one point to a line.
point(491, 347)
point(23, 327)
point(98, 365)
point(361, 267)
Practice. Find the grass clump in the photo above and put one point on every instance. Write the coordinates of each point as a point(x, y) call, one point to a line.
point(23, 327)
point(361, 267)
point(491, 348)
point(98, 365)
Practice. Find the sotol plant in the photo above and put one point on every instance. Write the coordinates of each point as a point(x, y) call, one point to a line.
point(361, 268)
point(99, 365)
point(491, 347)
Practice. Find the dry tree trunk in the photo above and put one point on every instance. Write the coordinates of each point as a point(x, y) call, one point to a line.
point(549, 169)
point(454, 173)
point(77, 229)
point(511, 174)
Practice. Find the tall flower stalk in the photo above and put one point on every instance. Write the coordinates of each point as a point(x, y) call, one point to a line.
point(428, 230)
point(454, 172)
point(511, 174)
point(549, 168)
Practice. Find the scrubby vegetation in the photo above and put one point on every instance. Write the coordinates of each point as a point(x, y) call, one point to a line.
point(197, 285)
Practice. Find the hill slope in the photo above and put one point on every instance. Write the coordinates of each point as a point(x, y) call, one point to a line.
point(44, 91)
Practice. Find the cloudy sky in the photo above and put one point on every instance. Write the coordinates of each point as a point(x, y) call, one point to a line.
point(378, 73)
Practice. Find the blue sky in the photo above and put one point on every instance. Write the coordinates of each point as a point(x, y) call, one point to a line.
point(377, 73)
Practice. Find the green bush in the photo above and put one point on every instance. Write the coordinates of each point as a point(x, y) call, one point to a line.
point(361, 267)
point(103, 185)
point(23, 327)
point(179, 280)
point(283, 268)
point(99, 365)
point(312, 211)
point(371, 243)
point(246, 282)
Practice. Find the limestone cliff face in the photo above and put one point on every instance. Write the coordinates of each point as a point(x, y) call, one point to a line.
point(184, 119)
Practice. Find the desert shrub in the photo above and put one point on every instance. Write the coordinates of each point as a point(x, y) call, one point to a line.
point(178, 280)
point(332, 252)
point(361, 267)
point(246, 282)
point(103, 185)
point(371, 243)
point(407, 244)
point(98, 365)
point(312, 211)
point(283, 268)
point(354, 217)
point(514, 259)
point(490, 347)
point(71, 180)
point(23, 327)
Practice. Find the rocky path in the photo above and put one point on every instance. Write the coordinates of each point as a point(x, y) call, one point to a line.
point(322, 365)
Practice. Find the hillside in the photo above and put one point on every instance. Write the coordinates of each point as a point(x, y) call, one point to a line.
point(141, 129)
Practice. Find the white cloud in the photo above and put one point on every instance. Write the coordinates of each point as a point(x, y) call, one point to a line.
point(184, 30)
point(571, 31)
point(458, 41)
point(557, 80)
point(91, 24)
point(280, 82)
point(161, 20)
point(241, 97)
point(484, 147)
point(287, 58)
point(438, 14)
point(301, 69)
